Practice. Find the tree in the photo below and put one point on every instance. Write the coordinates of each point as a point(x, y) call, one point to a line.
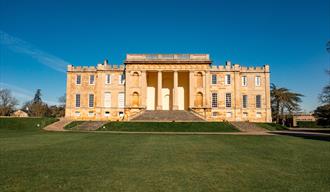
point(283, 100)
point(36, 108)
point(62, 100)
point(37, 96)
point(7, 102)
point(325, 95)
point(322, 113)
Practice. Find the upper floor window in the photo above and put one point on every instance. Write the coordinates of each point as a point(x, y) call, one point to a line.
point(227, 79)
point(257, 81)
point(214, 79)
point(91, 100)
point(77, 100)
point(78, 79)
point(244, 81)
point(258, 101)
point(245, 101)
point(91, 79)
point(214, 100)
point(121, 79)
point(228, 99)
point(108, 79)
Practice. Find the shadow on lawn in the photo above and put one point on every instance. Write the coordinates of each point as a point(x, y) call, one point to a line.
point(319, 137)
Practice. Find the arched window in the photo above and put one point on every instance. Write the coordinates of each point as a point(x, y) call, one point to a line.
point(199, 79)
point(135, 79)
point(199, 99)
point(135, 99)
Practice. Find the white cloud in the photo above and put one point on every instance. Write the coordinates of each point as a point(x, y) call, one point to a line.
point(18, 45)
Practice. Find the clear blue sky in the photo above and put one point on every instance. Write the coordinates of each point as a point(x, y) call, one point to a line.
point(38, 38)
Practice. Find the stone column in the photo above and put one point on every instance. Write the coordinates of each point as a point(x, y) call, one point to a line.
point(143, 93)
point(159, 91)
point(191, 89)
point(175, 90)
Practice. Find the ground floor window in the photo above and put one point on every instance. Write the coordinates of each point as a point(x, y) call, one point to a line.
point(215, 114)
point(228, 99)
point(258, 114)
point(214, 100)
point(245, 114)
point(107, 113)
point(228, 114)
point(77, 113)
point(91, 114)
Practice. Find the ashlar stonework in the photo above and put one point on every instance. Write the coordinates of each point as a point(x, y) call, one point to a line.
point(188, 82)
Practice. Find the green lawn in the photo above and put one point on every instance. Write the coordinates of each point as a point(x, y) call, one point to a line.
point(272, 126)
point(36, 160)
point(169, 126)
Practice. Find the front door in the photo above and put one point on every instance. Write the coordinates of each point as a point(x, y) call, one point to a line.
point(166, 98)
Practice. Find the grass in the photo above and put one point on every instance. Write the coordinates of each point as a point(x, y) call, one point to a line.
point(169, 127)
point(73, 124)
point(272, 126)
point(36, 160)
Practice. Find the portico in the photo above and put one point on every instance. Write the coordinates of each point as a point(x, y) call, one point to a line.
point(169, 79)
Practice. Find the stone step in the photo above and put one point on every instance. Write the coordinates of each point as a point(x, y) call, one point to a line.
point(247, 126)
point(167, 116)
point(90, 125)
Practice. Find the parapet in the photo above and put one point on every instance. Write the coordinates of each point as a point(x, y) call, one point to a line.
point(236, 67)
point(100, 67)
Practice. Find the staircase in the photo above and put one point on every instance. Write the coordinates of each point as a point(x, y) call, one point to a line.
point(90, 125)
point(247, 127)
point(58, 125)
point(167, 116)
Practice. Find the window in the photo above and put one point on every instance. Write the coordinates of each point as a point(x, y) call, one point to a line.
point(244, 81)
point(227, 79)
point(228, 114)
point(214, 79)
point(77, 100)
point(107, 99)
point(214, 100)
point(245, 114)
point(258, 101)
point(121, 79)
point(107, 113)
point(91, 100)
point(228, 99)
point(108, 79)
point(90, 113)
point(214, 114)
point(258, 81)
point(121, 100)
point(245, 101)
point(121, 114)
point(77, 113)
point(78, 80)
point(91, 79)
point(258, 114)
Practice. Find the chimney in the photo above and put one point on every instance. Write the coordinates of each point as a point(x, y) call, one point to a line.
point(105, 62)
point(228, 63)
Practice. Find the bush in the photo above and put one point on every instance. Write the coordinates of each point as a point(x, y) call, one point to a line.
point(307, 124)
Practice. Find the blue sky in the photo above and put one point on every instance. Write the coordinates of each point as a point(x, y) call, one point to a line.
point(38, 38)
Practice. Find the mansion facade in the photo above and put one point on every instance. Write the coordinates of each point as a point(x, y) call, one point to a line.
point(187, 82)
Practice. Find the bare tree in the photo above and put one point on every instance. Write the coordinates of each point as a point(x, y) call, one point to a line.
point(7, 102)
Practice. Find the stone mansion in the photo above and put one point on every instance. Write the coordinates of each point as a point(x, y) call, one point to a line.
point(187, 82)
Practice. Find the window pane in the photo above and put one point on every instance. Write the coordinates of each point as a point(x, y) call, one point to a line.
point(228, 99)
point(214, 100)
point(91, 79)
point(214, 79)
point(77, 100)
point(91, 100)
point(245, 98)
point(258, 101)
point(78, 80)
